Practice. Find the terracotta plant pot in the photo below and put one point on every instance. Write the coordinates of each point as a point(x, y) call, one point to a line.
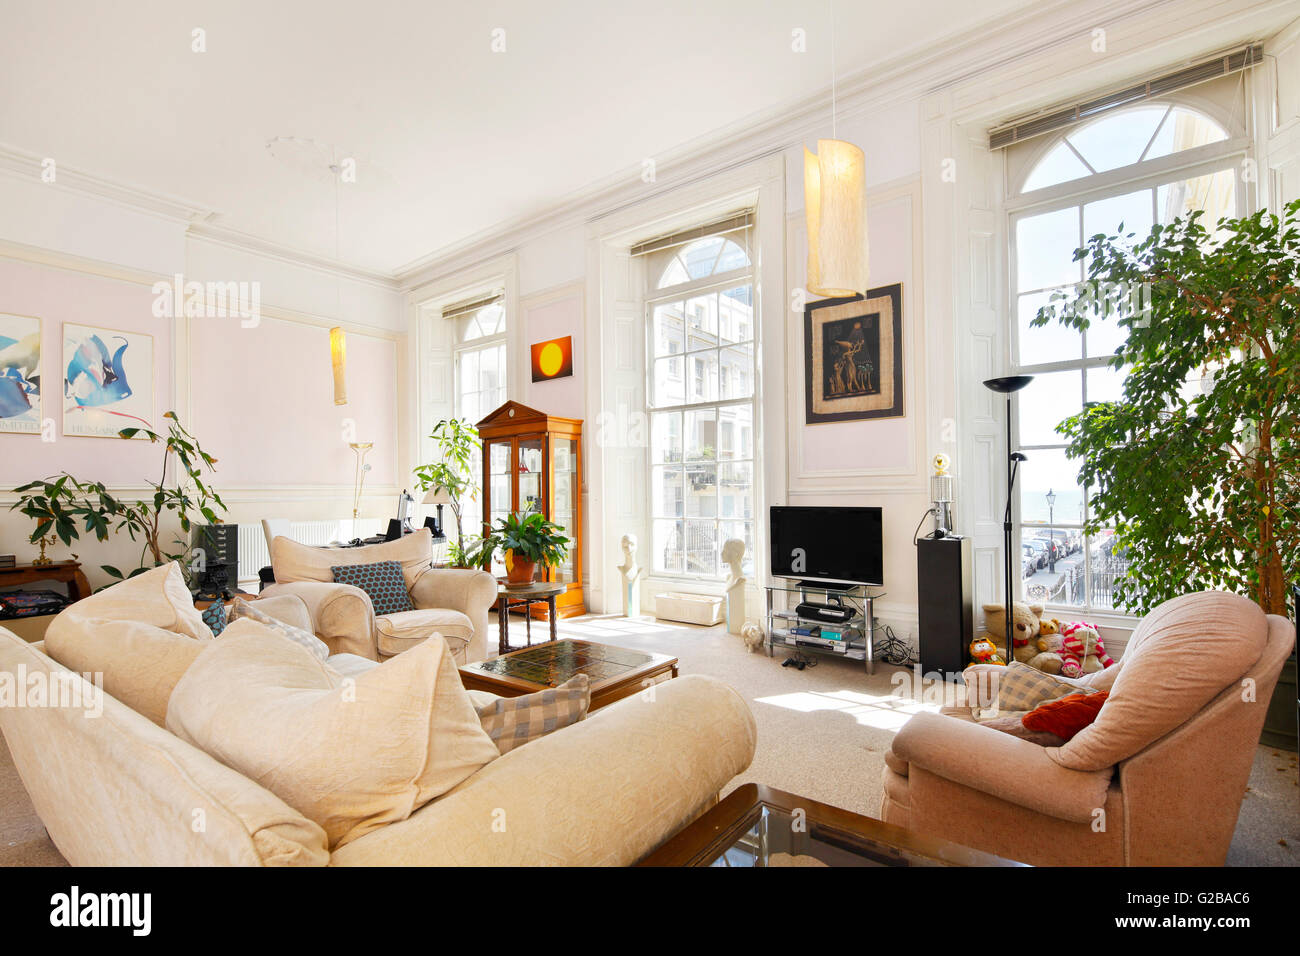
point(520, 571)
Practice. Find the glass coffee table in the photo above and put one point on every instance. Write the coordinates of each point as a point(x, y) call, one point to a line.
point(756, 825)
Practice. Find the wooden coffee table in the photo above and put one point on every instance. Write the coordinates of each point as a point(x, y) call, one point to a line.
point(615, 672)
point(761, 826)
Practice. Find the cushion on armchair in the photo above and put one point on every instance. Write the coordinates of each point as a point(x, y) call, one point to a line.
point(382, 581)
point(398, 632)
point(292, 561)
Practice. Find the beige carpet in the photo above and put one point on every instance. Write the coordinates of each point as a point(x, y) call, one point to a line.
point(822, 733)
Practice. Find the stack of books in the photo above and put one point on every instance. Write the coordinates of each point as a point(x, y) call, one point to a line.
point(8, 561)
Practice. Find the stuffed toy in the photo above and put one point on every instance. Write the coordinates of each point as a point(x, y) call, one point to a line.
point(753, 636)
point(984, 651)
point(1049, 644)
point(1025, 624)
point(1082, 651)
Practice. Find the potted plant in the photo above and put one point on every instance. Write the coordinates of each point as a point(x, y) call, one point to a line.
point(525, 541)
point(458, 445)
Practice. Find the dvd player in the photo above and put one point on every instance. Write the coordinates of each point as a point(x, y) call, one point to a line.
point(832, 613)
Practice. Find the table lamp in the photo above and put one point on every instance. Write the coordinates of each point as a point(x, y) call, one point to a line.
point(438, 496)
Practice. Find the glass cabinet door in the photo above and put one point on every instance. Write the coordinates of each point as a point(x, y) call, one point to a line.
point(531, 474)
point(564, 495)
point(499, 492)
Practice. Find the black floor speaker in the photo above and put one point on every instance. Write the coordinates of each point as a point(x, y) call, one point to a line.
point(946, 611)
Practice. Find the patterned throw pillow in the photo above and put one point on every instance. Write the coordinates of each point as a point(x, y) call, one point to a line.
point(214, 616)
point(383, 581)
point(513, 721)
point(1021, 687)
point(314, 644)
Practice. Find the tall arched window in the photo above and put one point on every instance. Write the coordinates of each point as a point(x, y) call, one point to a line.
point(1119, 174)
point(700, 387)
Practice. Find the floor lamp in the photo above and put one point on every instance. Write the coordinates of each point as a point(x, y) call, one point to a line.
point(1005, 386)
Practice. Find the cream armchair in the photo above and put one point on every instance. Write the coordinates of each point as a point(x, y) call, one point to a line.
point(1156, 780)
point(450, 602)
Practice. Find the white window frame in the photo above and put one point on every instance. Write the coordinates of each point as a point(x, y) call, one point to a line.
point(1227, 154)
point(461, 349)
point(655, 296)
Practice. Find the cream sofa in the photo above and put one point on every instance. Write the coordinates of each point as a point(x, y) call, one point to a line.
point(116, 788)
point(1156, 780)
point(450, 602)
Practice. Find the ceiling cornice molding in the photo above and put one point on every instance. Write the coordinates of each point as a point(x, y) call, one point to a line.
point(28, 166)
point(268, 249)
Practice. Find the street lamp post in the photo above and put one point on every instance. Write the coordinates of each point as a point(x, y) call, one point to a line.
point(1051, 530)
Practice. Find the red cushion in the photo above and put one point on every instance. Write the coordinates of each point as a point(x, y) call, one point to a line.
point(1065, 716)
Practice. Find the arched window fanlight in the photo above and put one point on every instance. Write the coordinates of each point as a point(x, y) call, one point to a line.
point(703, 258)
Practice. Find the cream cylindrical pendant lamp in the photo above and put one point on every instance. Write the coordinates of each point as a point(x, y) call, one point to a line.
point(835, 204)
point(339, 361)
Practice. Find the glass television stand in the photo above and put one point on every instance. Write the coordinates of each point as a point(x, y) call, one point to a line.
point(854, 639)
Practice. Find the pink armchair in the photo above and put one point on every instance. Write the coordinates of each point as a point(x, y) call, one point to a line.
point(451, 602)
point(1157, 780)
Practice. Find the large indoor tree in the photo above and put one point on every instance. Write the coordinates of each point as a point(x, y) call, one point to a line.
point(1197, 467)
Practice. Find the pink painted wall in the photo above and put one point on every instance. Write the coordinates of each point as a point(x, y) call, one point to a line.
point(57, 296)
point(561, 396)
point(263, 402)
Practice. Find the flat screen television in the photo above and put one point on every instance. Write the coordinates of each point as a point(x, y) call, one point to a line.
point(827, 546)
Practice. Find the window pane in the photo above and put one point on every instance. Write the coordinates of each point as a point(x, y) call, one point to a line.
point(735, 378)
point(736, 490)
point(1045, 250)
point(702, 434)
point(732, 257)
point(701, 255)
point(1049, 470)
point(1118, 140)
point(1058, 166)
point(1185, 129)
point(702, 322)
point(701, 490)
point(1053, 342)
point(666, 491)
point(670, 385)
point(469, 371)
point(668, 539)
point(1045, 402)
point(702, 377)
point(736, 432)
point(674, 274)
point(702, 547)
point(1132, 210)
point(1108, 563)
point(1106, 384)
point(1215, 193)
point(668, 326)
point(666, 436)
point(736, 314)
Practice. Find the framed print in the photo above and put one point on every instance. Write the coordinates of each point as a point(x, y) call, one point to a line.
point(20, 374)
point(107, 381)
point(853, 357)
point(552, 359)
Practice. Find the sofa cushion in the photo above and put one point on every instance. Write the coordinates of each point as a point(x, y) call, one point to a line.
point(397, 632)
point(292, 561)
point(288, 608)
point(139, 634)
point(514, 721)
point(1183, 654)
point(382, 582)
point(1064, 718)
point(350, 754)
point(304, 638)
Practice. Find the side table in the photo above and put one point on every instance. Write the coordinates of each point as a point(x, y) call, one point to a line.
point(524, 595)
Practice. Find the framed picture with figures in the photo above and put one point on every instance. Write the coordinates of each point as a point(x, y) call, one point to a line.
point(853, 357)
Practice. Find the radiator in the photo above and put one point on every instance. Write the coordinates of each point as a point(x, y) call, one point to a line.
point(254, 554)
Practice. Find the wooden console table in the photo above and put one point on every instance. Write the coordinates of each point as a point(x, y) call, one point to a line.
point(68, 572)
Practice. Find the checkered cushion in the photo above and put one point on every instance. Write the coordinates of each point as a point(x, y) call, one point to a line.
point(1020, 687)
point(214, 616)
point(514, 721)
point(383, 581)
point(308, 640)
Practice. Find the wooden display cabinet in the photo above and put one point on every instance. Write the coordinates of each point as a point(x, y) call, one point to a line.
point(533, 462)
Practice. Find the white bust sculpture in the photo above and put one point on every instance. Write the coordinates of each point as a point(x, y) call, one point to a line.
point(631, 572)
point(733, 552)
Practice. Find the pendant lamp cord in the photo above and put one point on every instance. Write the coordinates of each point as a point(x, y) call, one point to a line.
point(833, 132)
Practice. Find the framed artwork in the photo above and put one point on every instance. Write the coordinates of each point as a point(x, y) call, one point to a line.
point(107, 381)
point(853, 357)
point(553, 359)
point(20, 374)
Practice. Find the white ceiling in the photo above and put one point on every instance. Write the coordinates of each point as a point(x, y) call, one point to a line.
point(451, 138)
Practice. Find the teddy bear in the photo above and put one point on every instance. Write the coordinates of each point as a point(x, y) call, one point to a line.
point(1025, 625)
point(1082, 651)
point(1049, 645)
